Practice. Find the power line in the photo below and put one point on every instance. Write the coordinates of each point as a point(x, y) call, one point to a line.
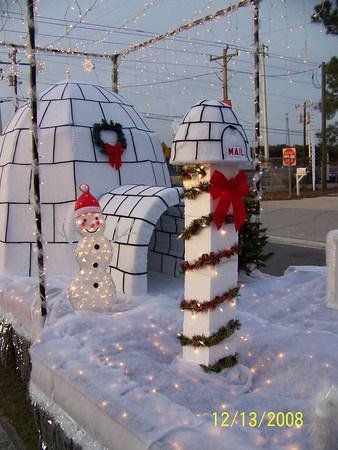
point(237, 71)
point(136, 32)
point(82, 18)
point(170, 81)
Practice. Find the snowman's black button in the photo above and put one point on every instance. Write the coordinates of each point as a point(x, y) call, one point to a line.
point(96, 246)
point(95, 264)
point(96, 285)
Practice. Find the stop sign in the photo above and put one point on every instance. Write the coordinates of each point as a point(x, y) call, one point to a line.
point(289, 156)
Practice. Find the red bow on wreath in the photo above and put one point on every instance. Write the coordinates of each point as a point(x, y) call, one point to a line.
point(229, 192)
point(115, 153)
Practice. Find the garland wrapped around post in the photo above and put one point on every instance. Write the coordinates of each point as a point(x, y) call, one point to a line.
point(211, 147)
point(227, 191)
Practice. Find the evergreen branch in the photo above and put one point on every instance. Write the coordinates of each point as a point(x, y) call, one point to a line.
point(108, 126)
point(197, 306)
point(209, 341)
point(190, 172)
point(195, 191)
point(196, 226)
point(224, 363)
point(211, 259)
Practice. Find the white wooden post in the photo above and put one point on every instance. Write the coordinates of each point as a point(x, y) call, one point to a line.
point(332, 269)
point(204, 284)
point(210, 135)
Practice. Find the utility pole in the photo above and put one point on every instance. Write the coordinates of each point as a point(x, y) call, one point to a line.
point(264, 49)
point(115, 72)
point(256, 76)
point(226, 58)
point(13, 78)
point(323, 133)
point(303, 118)
point(304, 129)
point(312, 148)
point(287, 128)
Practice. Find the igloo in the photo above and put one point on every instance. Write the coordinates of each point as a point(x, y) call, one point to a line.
point(68, 156)
point(210, 132)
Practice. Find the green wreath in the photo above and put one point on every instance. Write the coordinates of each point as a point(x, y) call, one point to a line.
point(105, 126)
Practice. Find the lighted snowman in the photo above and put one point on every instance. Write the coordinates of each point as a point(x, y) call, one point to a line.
point(93, 288)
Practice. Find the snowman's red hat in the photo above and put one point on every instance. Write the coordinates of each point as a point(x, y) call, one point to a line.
point(86, 202)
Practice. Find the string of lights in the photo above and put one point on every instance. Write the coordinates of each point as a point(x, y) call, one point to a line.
point(188, 52)
point(177, 38)
point(72, 27)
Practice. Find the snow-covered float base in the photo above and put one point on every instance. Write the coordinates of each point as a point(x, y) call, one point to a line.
point(119, 377)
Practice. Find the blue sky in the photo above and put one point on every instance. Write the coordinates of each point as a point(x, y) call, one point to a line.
point(163, 81)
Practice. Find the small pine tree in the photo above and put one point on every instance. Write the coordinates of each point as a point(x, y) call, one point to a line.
point(252, 237)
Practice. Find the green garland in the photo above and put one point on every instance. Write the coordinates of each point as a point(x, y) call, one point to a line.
point(189, 172)
point(210, 259)
point(194, 191)
point(198, 306)
point(208, 341)
point(108, 126)
point(198, 224)
point(224, 363)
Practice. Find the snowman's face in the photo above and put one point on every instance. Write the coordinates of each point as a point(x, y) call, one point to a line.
point(90, 223)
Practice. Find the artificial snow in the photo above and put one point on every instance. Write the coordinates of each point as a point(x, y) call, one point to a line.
point(121, 378)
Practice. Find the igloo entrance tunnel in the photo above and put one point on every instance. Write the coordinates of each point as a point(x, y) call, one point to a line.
point(68, 155)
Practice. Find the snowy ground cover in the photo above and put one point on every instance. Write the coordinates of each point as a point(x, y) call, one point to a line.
point(120, 377)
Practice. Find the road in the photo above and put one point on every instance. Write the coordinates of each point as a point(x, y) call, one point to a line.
point(307, 219)
point(291, 255)
point(297, 231)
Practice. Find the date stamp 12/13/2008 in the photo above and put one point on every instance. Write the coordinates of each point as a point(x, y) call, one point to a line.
point(254, 419)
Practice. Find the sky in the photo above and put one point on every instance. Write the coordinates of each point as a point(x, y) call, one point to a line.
point(163, 81)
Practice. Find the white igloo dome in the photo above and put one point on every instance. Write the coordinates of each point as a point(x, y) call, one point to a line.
point(68, 156)
point(210, 133)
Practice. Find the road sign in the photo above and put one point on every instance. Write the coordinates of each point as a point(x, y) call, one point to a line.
point(289, 156)
point(301, 171)
point(300, 174)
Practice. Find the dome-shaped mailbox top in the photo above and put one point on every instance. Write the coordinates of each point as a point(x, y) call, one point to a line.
point(210, 132)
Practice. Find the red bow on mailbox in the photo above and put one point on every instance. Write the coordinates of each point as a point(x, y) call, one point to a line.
point(229, 192)
point(115, 153)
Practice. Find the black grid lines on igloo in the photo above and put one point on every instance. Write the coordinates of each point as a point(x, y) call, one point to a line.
point(132, 212)
point(67, 113)
point(166, 251)
point(17, 258)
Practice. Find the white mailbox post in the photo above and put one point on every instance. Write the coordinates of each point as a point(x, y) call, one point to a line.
point(212, 147)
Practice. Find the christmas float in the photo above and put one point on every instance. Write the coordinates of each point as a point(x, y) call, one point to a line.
point(117, 380)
